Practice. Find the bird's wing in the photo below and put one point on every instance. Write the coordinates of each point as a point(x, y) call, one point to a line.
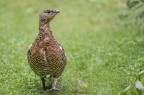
point(37, 55)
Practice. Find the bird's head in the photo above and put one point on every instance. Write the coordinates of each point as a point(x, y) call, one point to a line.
point(47, 15)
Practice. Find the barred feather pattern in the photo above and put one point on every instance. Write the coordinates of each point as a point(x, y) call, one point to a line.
point(46, 56)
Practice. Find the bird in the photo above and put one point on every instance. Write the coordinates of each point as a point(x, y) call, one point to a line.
point(45, 55)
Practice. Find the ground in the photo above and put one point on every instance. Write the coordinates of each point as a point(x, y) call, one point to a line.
point(104, 51)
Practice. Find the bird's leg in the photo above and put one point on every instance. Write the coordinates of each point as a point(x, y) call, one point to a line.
point(54, 81)
point(43, 84)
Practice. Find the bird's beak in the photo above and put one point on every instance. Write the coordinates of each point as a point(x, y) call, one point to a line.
point(56, 11)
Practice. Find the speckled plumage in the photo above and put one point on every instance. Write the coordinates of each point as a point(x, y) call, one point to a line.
point(46, 56)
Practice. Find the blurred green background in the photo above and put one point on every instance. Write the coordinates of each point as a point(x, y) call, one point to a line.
point(103, 42)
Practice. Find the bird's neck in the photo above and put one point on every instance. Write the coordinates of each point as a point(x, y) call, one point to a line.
point(44, 27)
point(45, 32)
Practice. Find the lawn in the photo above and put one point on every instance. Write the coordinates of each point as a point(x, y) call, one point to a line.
point(104, 49)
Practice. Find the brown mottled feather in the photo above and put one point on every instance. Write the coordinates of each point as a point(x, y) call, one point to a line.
point(46, 56)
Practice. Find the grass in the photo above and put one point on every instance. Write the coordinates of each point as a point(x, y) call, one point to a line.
point(102, 51)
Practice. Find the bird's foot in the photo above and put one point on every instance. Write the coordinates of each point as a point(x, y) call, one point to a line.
point(53, 89)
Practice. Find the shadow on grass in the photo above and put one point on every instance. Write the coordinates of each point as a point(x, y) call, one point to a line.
point(64, 93)
point(36, 88)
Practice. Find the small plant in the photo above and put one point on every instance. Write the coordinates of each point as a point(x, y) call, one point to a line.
point(138, 6)
point(137, 85)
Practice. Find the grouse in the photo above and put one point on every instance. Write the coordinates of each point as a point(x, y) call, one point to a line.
point(46, 56)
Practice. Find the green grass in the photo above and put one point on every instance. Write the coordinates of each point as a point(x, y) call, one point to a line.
point(102, 51)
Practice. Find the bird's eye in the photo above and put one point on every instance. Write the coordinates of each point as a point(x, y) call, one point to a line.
point(49, 12)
